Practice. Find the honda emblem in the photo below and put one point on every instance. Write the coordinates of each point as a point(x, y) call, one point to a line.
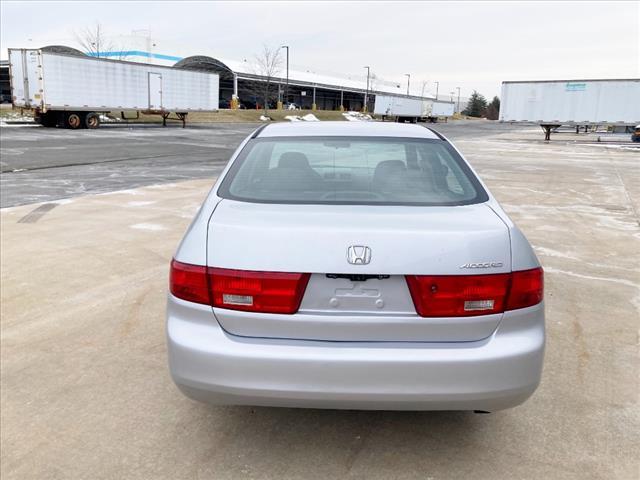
point(358, 255)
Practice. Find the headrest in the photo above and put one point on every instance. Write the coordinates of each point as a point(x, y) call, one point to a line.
point(293, 160)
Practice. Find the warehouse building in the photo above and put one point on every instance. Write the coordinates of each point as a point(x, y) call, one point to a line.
point(242, 84)
point(307, 90)
point(243, 80)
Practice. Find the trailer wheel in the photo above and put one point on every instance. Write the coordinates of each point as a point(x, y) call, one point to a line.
point(92, 120)
point(72, 120)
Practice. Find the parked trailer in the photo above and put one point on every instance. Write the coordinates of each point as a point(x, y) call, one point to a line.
point(400, 109)
point(435, 109)
point(571, 102)
point(72, 91)
point(411, 109)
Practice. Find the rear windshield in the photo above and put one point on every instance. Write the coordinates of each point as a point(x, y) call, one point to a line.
point(346, 170)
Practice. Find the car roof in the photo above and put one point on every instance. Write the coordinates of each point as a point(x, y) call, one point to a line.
point(345, 129)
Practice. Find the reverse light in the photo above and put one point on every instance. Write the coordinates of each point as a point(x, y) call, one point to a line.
point(472, 305)
point(470, 295)
point(237, 299)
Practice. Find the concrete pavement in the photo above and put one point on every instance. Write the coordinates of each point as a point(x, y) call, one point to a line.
point(85, 388)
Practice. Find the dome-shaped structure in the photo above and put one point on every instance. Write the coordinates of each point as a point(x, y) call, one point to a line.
point(62, 49)
point(203, 63)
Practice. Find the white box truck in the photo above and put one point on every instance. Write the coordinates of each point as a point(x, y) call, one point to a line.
point(411, 109)
point(72, 91)
point(571, 102)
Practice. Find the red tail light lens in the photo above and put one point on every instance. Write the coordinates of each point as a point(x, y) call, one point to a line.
point(265, 292)
point(527, 289)
point(471, 295)
point(189, 282)
point(458, 295)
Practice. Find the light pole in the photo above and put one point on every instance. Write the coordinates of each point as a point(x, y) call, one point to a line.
point(424, 85)
point(366, 92)
point(286, 87)
point(408, 75)
point(458, 99)
point(437, 87)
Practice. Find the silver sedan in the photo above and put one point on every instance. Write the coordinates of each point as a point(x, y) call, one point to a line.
point(358, 265)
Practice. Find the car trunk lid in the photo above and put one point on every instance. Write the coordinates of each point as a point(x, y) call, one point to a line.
point(357, 302)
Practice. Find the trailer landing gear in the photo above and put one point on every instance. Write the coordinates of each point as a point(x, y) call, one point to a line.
point(547, 131)
point(182, 116)
point(48, 119)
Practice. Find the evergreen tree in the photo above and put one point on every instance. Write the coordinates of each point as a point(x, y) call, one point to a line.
point(477, 105)
point(493, 109)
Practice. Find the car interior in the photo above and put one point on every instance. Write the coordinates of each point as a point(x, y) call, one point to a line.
point(326, 173)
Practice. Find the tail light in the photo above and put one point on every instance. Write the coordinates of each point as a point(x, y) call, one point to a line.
point(265, 292)
point(189, 282)
point(527, 289)
point(469, 295)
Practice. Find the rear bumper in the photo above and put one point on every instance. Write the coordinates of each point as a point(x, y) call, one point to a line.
point(499, 372)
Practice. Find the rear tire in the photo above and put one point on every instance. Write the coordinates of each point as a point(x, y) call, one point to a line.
point(92, 120)
point(72, 120)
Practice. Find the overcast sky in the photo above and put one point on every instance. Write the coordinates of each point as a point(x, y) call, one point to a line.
point(474, 45)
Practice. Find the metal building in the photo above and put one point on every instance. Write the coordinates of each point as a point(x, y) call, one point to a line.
point(243, 82)
point(305, 88)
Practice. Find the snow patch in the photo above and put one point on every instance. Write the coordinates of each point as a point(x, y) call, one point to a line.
point(126, 192)
point(153, 227)
point(309, 117)
point(4, 124)
point(62, 201)
point(16, 117)
point(264, 118)
point(356, 117)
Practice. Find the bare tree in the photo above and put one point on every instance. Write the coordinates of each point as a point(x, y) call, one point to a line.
point(268, 65)
point(95, 43)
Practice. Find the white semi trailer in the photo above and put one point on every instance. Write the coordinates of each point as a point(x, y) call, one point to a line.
point(571, 102)
point(411, 109)
point(438, 109)
point(72, 91)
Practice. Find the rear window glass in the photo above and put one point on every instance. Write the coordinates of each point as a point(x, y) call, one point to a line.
point(345, 170)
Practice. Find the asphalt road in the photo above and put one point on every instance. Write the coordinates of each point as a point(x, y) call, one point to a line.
point(42, 164)
point(85, 392)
